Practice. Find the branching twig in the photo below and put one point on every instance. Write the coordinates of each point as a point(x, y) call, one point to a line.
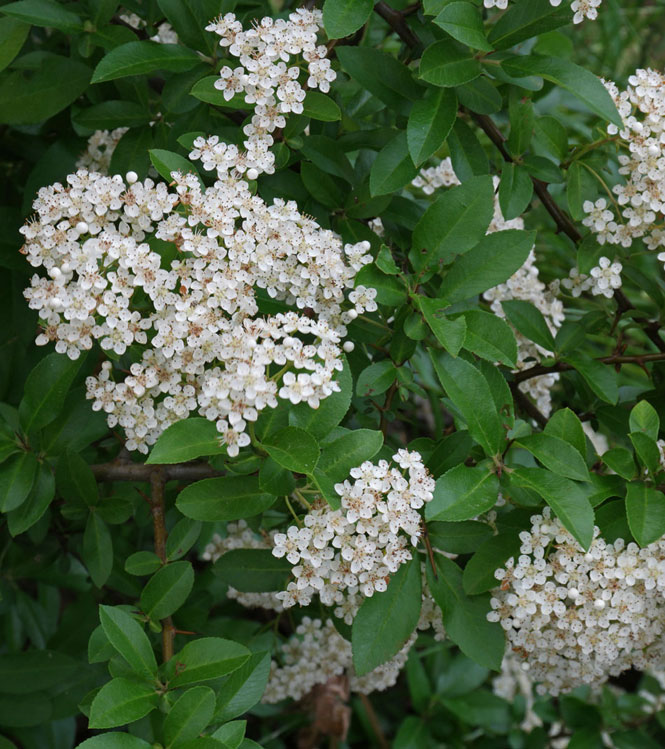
point(527, 374)
point(374, 721)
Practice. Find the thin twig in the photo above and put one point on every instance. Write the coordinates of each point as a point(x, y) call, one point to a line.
point(524, 404)
point(157, 483)
point(374, 721)
point(527, 374)
point(395, 19)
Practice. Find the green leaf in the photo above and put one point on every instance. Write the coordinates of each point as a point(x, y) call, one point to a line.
point(232, 734)
point(204, 90)
point(186, 440)
point(189, 715)
point(376, 378)
point(580, 82)
point(141, 58)
point(228, 498)
point(443, 64)
point(320, 421)
point(167, 162)
point(465, 618)
point(45, 390)
point(647, 451)
point(121, 701)
point(244, 687)
point(493, 260)
point(620, 461)
point(75, 479)
point(556, 454)
point(489, 337)
point(527, 19)
point(126, 635)
point(480, 95)
point(529, 321)
point(600, 378)
point(167, 590)
point(349, 451)
point(97, 551)
point(36, 504)
point(17, 712)
point(17, 476)
point(182, 537)
point(142, 563)
point(453, 224)
point(31, 96)
point(451, 334)
point(567, 426)
point(294, 449)
point(389, 289)
point(13, 34)
point(470, 392)
point(515, 190)
point(463, 22)
point(189, 19)
point(564, 496)
point(385, 621)
point(392, 168)
point(466, 153)
point(645, 508)
point(318, 106)
point(521, 124)
point(33, 670)
point(205, 659)
point(112, 114)
point(430, 121)
point(43, 13)
point(326, 154)
point(114, 740)
point(552, 136)
point(478, 574)
point(343, 17)
point(643, 418)
point(463, 493)
point(252, 570)
point(132, 152)
point(462, 537)
point(382, 75)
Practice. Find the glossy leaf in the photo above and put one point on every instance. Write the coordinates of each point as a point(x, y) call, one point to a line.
point(228, 498)
point(385, 621)
point(463, 493)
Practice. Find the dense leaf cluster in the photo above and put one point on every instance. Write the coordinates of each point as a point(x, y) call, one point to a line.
point(462, 143)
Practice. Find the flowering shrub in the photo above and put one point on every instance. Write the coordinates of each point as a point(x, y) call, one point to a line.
point(331, 398)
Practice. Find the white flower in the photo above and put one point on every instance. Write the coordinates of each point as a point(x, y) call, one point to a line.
point(606, 277)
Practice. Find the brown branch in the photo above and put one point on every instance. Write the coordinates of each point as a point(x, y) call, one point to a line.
point(537, 371)
point(395, 19)
point(126, 471)
point(157, 483)
point(565, 225)
point(524, 404)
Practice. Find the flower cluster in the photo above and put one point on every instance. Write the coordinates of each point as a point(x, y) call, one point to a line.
point(603, 280)
point(581, 8)
point(578, 618)
point(194, 330)
point(240, 536)
point(100, 148)
point(317, 653)
point(639, 202)
point(267, 76)
point(344, 555)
